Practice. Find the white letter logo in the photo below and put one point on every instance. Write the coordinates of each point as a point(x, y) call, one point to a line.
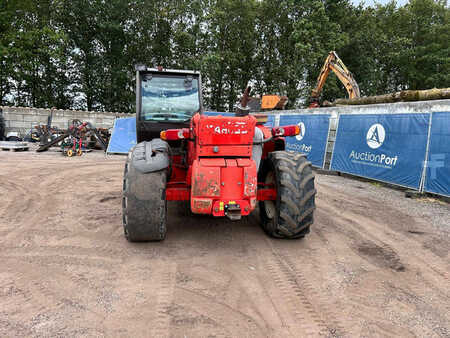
point(375, 136)
point(300, 136)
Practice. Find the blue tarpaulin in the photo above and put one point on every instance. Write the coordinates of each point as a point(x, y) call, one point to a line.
point(313, 136)
point(123, 136)
point(437, 179)
point(385, 147)
point(215, 113)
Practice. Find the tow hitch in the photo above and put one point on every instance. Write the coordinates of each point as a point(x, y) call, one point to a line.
point(233, 212)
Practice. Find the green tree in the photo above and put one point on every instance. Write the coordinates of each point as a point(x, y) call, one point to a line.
point(81, 20)
point(81, 53)
point(426, 64)
point(295, 38)
point(37, 76)
point(227, 62)
point(6, 61)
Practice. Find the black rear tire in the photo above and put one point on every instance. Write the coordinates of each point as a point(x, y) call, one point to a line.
point(292, 214)
point(144, 205)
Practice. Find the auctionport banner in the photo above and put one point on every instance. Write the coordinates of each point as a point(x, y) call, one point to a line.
point(437, 179)
point(313, 136)
point(385, 147)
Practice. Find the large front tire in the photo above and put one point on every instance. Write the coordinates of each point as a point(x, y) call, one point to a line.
point(292, 213)
point(144, 205)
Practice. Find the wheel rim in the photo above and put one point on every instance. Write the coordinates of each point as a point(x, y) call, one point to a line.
point(269, 205)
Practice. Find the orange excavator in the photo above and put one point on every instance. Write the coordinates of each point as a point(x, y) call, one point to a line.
point(334, 63)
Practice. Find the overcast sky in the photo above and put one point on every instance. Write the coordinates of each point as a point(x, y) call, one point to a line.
point(371, 2)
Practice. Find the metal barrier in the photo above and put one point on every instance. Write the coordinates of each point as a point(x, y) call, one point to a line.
point(312, 140)
point(416, 133)
point(385, 147)
point(437, 164)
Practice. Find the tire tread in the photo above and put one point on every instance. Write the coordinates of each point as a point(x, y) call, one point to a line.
point(295, 195)
point(144, 207)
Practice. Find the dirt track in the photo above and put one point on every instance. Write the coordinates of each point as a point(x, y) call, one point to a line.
point(370, 267)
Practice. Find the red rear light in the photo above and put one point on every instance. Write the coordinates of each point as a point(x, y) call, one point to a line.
point(174, 134)
point(285, 131)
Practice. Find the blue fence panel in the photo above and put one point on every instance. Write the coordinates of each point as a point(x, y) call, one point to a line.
point(270, 121)
point(270, 118)
point(385, 147)
point(437, 178)
point(215, 113)
point(123, 136)
point(313, 136)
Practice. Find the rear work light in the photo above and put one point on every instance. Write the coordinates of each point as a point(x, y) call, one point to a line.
point(286, 131)
point(174, 134)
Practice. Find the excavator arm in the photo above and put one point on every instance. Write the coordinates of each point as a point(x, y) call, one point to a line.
point(335, 64)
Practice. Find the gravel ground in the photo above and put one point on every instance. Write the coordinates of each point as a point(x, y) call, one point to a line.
point(433, 209)
point(375, 264)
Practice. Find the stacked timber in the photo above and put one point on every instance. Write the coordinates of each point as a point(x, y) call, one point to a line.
point(402, 96)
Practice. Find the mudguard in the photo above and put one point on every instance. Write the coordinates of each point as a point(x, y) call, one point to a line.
point(257, 148)
point(151, 156)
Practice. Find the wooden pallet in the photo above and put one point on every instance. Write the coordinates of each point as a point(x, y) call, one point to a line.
point(14, 145)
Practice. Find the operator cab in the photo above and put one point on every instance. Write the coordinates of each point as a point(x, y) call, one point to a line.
point(165, 99)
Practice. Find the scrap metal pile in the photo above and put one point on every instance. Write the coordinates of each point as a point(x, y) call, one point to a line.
point(74, 140)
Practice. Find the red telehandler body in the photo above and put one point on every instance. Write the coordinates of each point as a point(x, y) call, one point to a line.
point(220, 165)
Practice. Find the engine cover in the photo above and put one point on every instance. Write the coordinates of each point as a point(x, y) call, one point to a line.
point(223, 136)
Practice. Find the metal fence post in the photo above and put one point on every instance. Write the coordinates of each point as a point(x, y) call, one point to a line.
point(425, 162)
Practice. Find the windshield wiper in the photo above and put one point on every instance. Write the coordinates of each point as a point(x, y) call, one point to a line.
point(168, 116)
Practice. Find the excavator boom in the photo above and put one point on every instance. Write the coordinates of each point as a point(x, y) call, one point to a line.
point(335, 64)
